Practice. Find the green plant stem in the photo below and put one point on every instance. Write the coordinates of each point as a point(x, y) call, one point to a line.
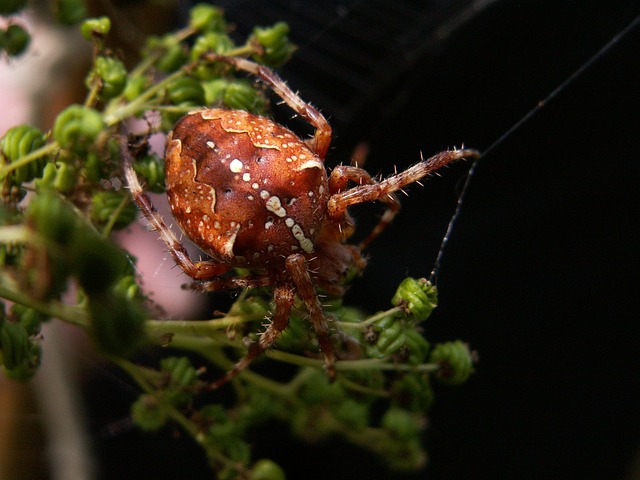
point(138, 374)
point(372, 319)
point(356, 387)
point(115, 113)
point(30, 157)
point(114, 216)
point(158, 328)
point(147, 62)
point(72, 314)
point(92, 96)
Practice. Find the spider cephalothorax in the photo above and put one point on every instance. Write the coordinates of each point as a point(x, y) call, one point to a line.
point(251, 194)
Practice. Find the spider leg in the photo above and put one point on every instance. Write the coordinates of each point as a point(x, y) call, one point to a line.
point(299, 271)
point(200, 270)
point(384, 190)
point(230, 283)
point(322, 137)
point(338, 182)
point(284, 298)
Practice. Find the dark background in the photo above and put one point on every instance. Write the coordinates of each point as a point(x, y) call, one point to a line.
point(540, 274)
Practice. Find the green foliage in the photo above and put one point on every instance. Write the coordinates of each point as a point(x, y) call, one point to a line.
point(455, 360)
point(14, 40)
point(9, 7)
point(60, 236)
point(96, 28)
point(272, 44)
point(77, 127)
point(19, 343)
point(70, 12)
point(112, 75)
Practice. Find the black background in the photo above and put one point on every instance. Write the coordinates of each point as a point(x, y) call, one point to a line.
point(540, 274)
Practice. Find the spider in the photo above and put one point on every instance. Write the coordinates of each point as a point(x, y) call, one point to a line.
point(252, 195)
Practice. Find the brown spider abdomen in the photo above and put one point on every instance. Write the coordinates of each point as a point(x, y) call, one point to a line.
point(244, 189)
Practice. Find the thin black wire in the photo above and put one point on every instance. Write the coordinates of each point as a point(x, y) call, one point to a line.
point(541, 104)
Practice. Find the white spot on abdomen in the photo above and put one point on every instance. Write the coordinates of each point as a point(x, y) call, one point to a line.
point(236, 166)
point(274, 205)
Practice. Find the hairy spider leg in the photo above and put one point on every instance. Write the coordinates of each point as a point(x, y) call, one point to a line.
point(339, 181)
point(299, 271)
point(197, 270)
point(384, 190)
point(230, 283)
point(284, 297)
point(322, 136)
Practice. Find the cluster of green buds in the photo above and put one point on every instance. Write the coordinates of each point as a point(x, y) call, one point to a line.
point(15, 39)
point(379, 400)
point(19, 341)
point(62, 198)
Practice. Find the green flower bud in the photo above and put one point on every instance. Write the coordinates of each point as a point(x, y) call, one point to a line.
point(222, 428)
point(455, 360)
point(241, 95)
point(235, 94)
point(151, 168)
point(92, 167)
point(387, 337)
point(417, 347)
point(311, 424)
point(237, 450)
point(272, 44)
point(211, 42)
point(15, 40)
point(413, 392)
point(108, 203)
point(14, 342)
point(55, 222)
point(182, 378)
point(9, 7)
point(259, 406)
point(204, 18)
point(349, 314)
point(266, 469)
point(408, 456)
point(53, 218)
point(29, 318)
point(16, 143)
point(418, 297)
point(58, 176)
point(185, 91)
point(174, 57)
point(128, 287)
point(117, 324)
point(70, 12)
point(214, 90)
point(354, 415)
point(96, 261)
point(112, 74)
point(135, 87)
point(77, 127)
point(96, 28)
point(317, 389)
point(254, 307)
point(401, 424)
point(182, 372)
point(147, 414)
point(296, 337)
point(27, 369)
